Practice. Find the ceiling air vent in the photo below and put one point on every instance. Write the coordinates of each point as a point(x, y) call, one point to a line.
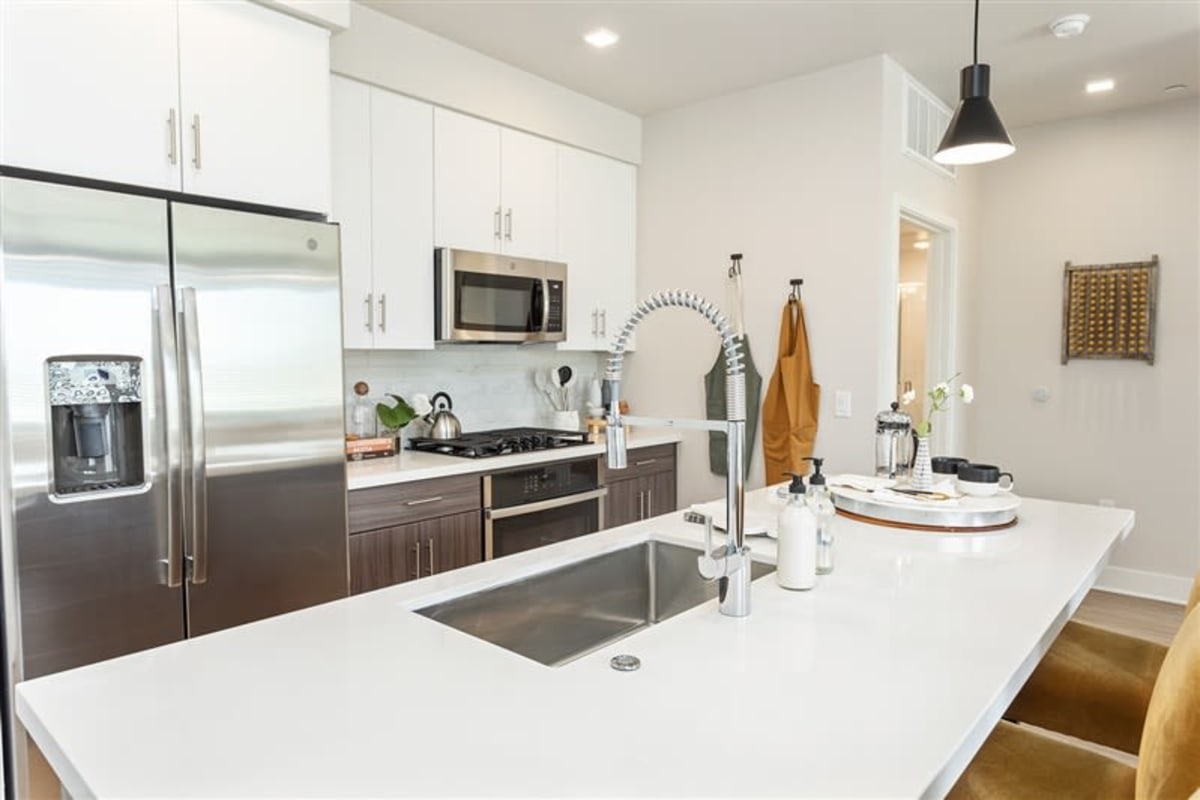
point(925, 121)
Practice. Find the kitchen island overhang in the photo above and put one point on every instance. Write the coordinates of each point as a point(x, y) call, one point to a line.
point(884, 680)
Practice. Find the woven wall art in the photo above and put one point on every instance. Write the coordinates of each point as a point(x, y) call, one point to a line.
point(1109, 310)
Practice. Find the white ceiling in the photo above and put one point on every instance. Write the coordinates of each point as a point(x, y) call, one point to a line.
point(674, 52)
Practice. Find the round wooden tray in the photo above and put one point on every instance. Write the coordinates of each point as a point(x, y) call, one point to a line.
point(964, 515)
point(934, 528)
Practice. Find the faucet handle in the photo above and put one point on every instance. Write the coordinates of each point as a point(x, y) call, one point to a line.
point(711, 563)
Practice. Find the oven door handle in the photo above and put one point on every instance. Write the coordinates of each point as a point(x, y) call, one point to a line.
point(544, 505)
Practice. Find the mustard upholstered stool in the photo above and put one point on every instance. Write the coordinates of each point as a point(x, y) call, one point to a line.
point(1094, 684)
point(1018, 762)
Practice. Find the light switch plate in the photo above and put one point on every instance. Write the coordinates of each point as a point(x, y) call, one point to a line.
point(841, 403)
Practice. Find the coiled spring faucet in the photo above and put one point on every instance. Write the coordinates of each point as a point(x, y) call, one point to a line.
point(730, 564)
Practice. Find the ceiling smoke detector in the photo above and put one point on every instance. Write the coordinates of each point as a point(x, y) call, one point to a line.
point(1070, 26)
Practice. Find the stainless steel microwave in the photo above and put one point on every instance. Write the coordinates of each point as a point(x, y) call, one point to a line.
point(485, 297)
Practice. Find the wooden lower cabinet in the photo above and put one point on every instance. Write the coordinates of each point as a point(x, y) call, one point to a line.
point(406, 531)
point(405, 552)
point(646, 488)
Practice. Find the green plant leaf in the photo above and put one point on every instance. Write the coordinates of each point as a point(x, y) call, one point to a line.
point(397, 416)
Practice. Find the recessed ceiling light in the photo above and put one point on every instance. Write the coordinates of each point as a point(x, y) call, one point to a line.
point(921, 244)
point(1070, 26)
point(1104, 85)
point(601, 38)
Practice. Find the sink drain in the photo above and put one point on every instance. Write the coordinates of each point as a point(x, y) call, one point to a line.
point(625, 663)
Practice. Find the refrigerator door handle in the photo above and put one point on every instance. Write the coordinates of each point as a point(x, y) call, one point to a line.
point(196, 466)
point(168, 402)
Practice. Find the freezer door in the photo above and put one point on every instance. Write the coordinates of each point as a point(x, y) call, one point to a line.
point(260, 343)
point(84, 278)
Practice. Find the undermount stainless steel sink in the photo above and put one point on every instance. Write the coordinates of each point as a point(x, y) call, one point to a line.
point(557, 616)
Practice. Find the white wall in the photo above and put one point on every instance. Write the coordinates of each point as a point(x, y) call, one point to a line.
point(1112, 188)
point(387, 52)
point(802, 177)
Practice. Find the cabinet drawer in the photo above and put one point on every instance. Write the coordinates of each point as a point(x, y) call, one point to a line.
point(399, 503)
point(643, 461)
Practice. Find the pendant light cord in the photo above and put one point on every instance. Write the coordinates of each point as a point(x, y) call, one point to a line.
point(975, 51)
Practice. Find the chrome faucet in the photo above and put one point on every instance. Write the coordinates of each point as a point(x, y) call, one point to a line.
point(730, 563)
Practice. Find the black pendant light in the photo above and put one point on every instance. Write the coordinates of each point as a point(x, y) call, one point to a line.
point(976, 133)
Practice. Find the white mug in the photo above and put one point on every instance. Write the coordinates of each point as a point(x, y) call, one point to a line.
point(983, 480)
point(565, 421)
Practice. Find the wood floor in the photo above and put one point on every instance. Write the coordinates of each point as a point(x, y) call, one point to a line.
point(1134, 616)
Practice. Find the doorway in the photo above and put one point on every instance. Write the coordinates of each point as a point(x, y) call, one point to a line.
point(926, 308)
point(915, 242)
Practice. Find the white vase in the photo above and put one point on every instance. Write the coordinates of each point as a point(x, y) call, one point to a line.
point(922, 471)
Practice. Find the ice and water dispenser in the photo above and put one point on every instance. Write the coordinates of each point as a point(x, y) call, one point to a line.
point(95, 423)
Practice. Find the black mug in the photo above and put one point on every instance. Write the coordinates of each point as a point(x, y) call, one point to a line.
point(946, 465)
point(982, 480)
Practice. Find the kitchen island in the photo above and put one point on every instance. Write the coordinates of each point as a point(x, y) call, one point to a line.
point(884, 680)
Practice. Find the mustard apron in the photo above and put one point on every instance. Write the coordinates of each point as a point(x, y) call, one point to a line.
point(789, 413)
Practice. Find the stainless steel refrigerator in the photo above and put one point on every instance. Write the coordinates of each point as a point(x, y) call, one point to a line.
point(171, 392)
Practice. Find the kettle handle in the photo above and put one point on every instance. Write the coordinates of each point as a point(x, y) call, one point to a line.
point(434, 400)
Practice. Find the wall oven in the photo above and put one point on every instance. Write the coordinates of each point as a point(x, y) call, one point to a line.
point(539, 505)
point(486, 297)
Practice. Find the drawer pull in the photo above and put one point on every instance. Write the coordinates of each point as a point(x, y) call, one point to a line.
point(417, 558)
point(423, 501)
point(646, 462)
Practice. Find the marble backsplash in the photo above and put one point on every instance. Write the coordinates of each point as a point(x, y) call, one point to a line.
point(492, 386)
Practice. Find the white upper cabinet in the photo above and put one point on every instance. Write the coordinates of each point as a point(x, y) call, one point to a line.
point(495, 188)
point(91, 89)
point(254, 86)
point(528, 189)
point(140, 91)
point(597, 238)
point(383, 201)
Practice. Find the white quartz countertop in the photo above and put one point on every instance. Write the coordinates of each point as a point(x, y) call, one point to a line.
point(413, 465)
point(882, 681)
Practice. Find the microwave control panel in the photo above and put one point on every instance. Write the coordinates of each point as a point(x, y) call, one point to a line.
point(554, 307)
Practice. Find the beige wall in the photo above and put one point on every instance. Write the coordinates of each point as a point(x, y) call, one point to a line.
point(1103, 189)
point(384, 51)
point(804, 177)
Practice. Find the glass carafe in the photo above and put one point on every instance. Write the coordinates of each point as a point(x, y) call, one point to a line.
point(893, 443)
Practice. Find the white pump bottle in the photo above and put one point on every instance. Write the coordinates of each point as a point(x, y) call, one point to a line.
point(796, 562)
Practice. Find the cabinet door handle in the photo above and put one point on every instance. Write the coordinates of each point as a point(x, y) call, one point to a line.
point(649, 503)
point(423, 501)
point(196, 141)
point(370, 312)
point(417, 558)
point(604, 322)
point(595, 322)
point(641, 505)
point(383, 312)
point(431, 569)
point(647, 462)
point(173, 140)
point(508, 225)
point(496, 223)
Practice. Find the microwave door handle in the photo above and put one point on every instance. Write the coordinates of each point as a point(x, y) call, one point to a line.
point(540, 308)
point(545, 505)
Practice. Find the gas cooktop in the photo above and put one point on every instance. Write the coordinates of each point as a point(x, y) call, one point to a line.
point(500, 442)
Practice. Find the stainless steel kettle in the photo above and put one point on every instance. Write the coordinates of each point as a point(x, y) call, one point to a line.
point(444, 425)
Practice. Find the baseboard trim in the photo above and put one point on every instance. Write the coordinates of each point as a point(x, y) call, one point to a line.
point(1151, 585)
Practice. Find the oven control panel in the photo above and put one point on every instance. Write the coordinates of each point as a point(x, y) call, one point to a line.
point(543, 482)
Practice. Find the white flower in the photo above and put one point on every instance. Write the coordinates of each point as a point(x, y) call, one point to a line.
point(942, 389)
point(908, 396)
point(420, 404)
point(968, 393)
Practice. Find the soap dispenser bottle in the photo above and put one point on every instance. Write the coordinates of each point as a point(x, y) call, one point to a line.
point(796, 560)
point(821, 504)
